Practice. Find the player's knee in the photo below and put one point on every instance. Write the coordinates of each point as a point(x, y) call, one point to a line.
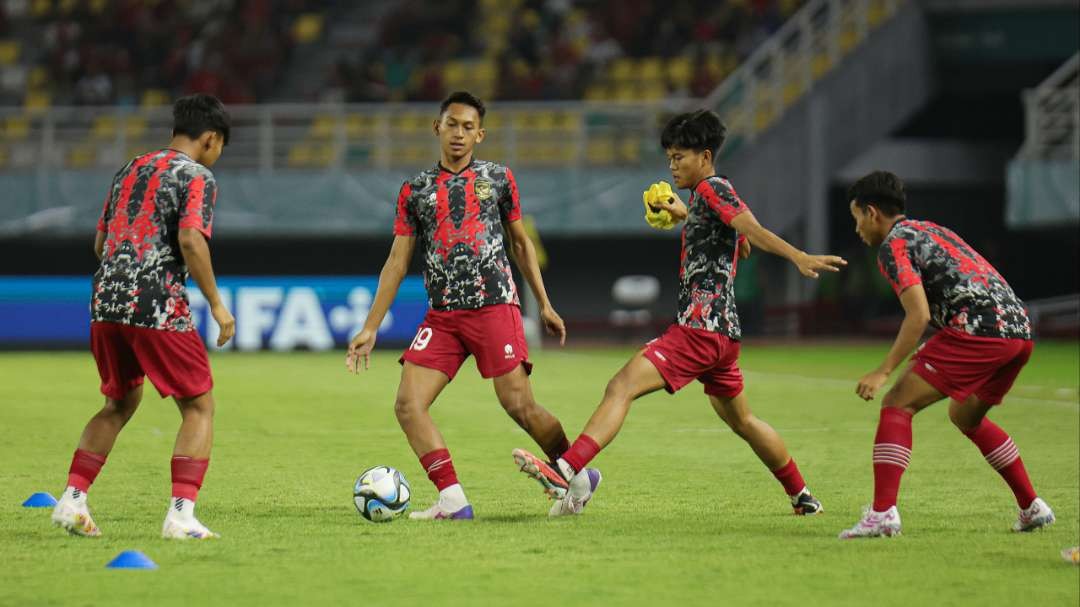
point(119, 410)
point(741, 426)
point(618, 389)
point(892, 400)
point(515, 404)
point(406, 408)
point(962, 421)
point(202, 405)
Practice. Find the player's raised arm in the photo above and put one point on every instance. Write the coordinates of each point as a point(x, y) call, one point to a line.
point(393, 272)
point(764, 239)
point(524, 254)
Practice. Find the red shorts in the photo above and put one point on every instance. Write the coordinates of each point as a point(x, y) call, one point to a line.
point(493, 334)
point(682, 355)
point(176, 362)
point(960, 365)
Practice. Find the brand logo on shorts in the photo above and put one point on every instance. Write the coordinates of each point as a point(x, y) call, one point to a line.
point(929, 367)
point(660, 355)
point(509, 350)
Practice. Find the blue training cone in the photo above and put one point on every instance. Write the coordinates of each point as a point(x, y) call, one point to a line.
point(40, 500)
point(131, 559)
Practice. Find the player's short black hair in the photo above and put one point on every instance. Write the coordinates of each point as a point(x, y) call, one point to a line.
point(465, 98)
point(195, 114)
point(700, 130)
point(881, 189)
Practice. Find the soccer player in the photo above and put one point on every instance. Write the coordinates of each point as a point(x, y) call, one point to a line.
point(459, 210)
point(982, 342)
point(704, 342)
point(152, 232)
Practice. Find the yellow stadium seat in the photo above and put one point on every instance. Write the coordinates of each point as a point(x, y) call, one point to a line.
point(3, 156)
point(820, 65)
point(877, 12)
point(40, 8)
point(680, 71)
point(323, 127)
point(597, 92)
point(154, 98)
point(16, 128)
point(622, 69)
point(629, 151)
point(37, 101)
point(135, 127)
point(103, 127)
point(849, 37)
point(9, 52)
point(38, 77)
point(651, 68)
point(410, 123)
point(300, 155)
point(65, 7)
point(600, 151)
point(455, 74)
point(308, 28)
point(485, 71)
point(627, 92)
point(81, 156)
point(568, 122)
point(360, 125)
point(763, 118)
point(493, 121)
point(98, 6)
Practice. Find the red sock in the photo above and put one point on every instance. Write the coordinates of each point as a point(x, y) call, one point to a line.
point(790, 478)
point(581, 452)
point(1001, 453)
point(84, 469)
point(556, 448)
point(440, 468)
point(187, 476)
point(892, 454)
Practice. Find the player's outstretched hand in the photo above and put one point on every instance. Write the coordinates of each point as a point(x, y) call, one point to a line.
point(360, 350)
point(870, 383)
point(554, 324)
point(744, 247)
point(226, 323)
point(810, 265)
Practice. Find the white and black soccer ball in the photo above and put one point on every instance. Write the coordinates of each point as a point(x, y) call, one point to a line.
point(381, 494)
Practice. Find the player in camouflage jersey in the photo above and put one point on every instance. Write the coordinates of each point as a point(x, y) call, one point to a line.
point(704, 342)
point(157, 217)
point(982, 343)
point(459, 209)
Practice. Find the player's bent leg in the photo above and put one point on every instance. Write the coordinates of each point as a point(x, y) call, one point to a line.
point(637, 378)
point(190, 460)
point(516, 397)
point(770, 449)
point(417, 391)
point(71, 512)
point(1002, 454)
point(892, 454)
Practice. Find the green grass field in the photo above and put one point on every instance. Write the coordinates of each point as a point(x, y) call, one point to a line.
point(686, 515)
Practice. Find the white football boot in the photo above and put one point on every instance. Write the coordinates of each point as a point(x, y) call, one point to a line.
point(72, 514)
point(181, 524)
point(582, 488)
point(1035, 516)
point(875, 524)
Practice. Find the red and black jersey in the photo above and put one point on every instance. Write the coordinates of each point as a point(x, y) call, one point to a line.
point(458, 218)
point(142, 276)
point(964, 291)
point(708, 259)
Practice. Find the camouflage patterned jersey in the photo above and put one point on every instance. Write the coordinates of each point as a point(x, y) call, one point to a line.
point(708, 260)
point(965, 292)
point(141, 279)
point(458, 218)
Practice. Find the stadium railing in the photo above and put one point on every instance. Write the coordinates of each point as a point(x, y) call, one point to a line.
point(1043, 179)
point(785, 67)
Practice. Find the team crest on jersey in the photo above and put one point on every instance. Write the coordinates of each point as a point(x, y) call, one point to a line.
point(482, 187)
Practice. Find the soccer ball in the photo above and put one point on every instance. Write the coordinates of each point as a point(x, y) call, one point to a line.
point(381, 494)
